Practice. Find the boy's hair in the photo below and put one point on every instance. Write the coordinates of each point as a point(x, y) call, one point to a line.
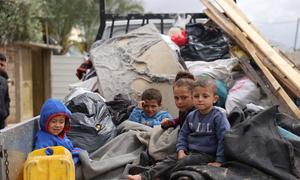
point(2, 57)
point(185, 75)
point(152, 93)
point(184, 79)
point(206, 81)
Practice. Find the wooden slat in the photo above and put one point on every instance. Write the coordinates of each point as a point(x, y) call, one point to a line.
point(275, 71)
point(278, 74)
point(260, 42)
point(292, 63)
point(232, 4)
point(236, 34)
point(257, 76)
point(245, 18)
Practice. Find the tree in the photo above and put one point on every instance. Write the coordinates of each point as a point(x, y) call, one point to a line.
point(63, 15)
point(19, 21)
point(31, 20)
point(60, 16)
point(91, 18)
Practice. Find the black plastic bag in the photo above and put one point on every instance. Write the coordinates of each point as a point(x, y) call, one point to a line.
point(91, 122)
point(205, 43)
point(256, 142)
point(288, 123)
point(120, 108)
point(254, 150)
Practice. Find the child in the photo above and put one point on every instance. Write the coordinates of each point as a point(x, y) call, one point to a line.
point(182, 90)
point(201, 139)
point(54, 123)
point(148, 110)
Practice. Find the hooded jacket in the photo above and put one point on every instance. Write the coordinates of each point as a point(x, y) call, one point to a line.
point(44, 138)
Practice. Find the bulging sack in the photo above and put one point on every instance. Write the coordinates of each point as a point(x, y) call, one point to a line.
point(91, 122)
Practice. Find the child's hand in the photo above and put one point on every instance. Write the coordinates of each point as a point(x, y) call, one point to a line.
point(146, 123)
point(165, 123)
point(215, 164)
point(181, 154)
point(141, 104)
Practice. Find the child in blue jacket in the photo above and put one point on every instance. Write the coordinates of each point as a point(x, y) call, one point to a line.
point(54, 123)
point(148, 110)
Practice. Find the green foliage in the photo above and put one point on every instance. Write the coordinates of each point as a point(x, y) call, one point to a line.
point(19, 21)
point(63, 15)
point(29, 20)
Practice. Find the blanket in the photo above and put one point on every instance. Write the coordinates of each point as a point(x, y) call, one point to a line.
point(109, 161)
point(254, 150)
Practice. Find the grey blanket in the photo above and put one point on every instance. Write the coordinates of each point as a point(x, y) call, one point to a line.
point(109, 161)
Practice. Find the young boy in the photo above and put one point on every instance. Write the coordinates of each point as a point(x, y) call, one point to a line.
point(148, 110)
point(201, 139)
point(54, 123)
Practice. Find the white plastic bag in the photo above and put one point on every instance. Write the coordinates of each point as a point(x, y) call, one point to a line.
point(219, 69)
point(243, 92)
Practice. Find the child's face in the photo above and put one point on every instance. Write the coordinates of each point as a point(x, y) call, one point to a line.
point(151, 107)
point(204, 98)
point(56, 125)
point(183, 98)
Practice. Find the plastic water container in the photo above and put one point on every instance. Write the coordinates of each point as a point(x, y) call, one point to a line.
point(50, 163)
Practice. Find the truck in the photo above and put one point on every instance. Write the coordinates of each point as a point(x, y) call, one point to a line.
point(18, 140)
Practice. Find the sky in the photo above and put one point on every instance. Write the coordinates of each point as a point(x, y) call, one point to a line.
point(276, 20)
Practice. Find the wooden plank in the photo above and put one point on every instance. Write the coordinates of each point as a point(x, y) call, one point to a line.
point(11, 55)
point(261, 43)
point(276, 70)
point(26, 83)
point(236, 34)
point(258, 77)
point(245, 18)
point(292, 63)
point(277, 73)
point(282, 94)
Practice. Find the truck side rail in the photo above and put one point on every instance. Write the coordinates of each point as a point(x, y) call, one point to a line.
point(16, 142)
point(143, 18)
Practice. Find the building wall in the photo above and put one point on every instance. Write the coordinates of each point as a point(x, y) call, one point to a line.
point(11, 54)
point(25, 99)
point(41, 78)
point(63, 73)
point(24, 66)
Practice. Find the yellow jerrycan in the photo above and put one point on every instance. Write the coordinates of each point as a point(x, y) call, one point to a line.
point(51, 163)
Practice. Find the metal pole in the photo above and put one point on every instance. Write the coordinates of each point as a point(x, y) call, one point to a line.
point(102, 19)
point(47, 32)
point(296, 35)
